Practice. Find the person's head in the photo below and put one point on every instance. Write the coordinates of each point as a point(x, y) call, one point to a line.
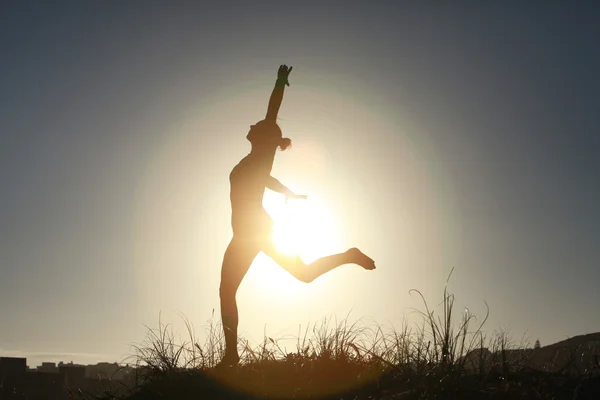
point(267, 135)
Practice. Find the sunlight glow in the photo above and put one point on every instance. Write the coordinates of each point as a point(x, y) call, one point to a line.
point(307, 228)
point(304, 227)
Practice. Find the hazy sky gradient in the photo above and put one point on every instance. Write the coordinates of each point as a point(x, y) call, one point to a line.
point(437, 135)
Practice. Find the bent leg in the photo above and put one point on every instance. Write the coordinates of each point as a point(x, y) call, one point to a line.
point(237, 260)
point(308, 273)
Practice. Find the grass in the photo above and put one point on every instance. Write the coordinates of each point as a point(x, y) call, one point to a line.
point(439, 358)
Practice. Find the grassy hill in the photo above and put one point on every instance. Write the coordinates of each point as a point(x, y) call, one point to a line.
point(444, 357)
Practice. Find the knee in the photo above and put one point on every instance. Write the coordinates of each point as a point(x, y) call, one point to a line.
point(303, 274)
point(298, 269)
point(305, 277)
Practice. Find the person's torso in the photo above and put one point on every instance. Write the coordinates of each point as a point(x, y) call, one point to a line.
point(248, 180)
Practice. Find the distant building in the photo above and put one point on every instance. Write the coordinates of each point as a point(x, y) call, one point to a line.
point(48, 367)
point(13, 366)
point(74, 374)
point(38, 385)
point(44, 385)
point(103, 370)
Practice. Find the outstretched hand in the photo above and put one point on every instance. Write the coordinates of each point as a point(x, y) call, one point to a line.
point(296, 196)
point(283, 73)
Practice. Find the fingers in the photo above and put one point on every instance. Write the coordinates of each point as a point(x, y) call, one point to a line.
point(284, 72)
point(296, 197)
point(285, 69)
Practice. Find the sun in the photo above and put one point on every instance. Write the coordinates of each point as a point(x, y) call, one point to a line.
point(301, 227)
point(304, 227)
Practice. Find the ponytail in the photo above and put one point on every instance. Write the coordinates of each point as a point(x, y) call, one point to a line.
point(285, 143)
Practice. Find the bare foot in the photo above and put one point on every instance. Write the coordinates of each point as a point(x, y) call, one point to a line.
point(230, 360)
point(360, 258)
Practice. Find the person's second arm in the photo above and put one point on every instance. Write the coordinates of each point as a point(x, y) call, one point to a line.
point(276, 186)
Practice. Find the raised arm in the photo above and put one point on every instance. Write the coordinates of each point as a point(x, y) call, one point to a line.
point(277, 94)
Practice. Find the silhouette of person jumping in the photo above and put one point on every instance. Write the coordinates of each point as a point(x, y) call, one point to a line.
point(252, 225)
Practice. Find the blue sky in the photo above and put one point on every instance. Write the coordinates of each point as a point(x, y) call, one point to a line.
point(437, 135)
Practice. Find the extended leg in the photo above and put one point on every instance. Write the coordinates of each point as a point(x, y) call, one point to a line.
point(236, 262)
point(307, 273)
